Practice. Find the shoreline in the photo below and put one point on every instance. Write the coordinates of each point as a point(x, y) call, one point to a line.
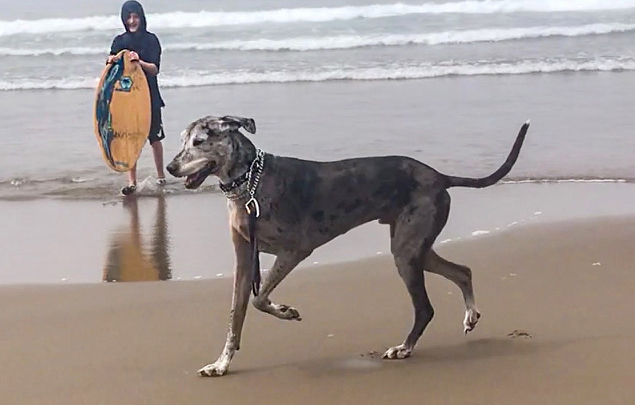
point(186, 237)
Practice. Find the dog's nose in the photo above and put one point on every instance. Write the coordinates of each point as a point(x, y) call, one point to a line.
point(172, 168)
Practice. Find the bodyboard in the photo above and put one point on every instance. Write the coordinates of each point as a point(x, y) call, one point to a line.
point(123, 112)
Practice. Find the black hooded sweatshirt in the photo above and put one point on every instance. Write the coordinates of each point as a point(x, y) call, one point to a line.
point(144, 43)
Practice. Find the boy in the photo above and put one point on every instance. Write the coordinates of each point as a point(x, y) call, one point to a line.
point(146, 50)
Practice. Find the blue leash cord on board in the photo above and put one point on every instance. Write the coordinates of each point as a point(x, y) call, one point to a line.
point(102, 111)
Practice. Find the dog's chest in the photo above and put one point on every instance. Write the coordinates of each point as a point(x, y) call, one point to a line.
point(270, 237)
point(238, 219)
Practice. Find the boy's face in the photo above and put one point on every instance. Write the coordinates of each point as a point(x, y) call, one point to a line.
point(133, 21)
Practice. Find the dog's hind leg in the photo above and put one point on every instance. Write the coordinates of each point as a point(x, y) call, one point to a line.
point(413, 234)
point(462, 277)
point(411, 273)
point(284, 263)
point(240, 301)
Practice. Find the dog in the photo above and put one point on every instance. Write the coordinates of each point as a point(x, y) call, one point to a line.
point(289, 207)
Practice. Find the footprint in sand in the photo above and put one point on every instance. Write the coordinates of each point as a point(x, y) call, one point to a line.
point(372, 354)
point(519, 333)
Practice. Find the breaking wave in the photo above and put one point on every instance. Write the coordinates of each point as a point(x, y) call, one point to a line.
point(202, 19)
point(390, 72)
point(357, 41)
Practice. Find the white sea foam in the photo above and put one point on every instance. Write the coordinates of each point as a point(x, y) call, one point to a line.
point(355, 41)
point(49, 84)
point(53, 51)
point(562, 180)
point(400, 72)
point(433, 38)
point(390, 72)
point(12, 188)
point(180, 20)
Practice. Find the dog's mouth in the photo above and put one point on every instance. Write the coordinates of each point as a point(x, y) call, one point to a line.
point(194, 181)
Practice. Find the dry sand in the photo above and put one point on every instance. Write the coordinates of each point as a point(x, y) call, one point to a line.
point(557, 328)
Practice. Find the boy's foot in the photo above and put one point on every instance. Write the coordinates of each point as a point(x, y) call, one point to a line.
point(161, 182)
point(128, 190)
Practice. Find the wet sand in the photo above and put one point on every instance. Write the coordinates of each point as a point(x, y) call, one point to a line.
point(556, 297)
point(186, 237)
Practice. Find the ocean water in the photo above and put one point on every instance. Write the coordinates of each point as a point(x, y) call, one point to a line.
point(446, 82)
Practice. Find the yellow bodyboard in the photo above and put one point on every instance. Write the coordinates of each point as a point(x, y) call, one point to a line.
point(123, 112)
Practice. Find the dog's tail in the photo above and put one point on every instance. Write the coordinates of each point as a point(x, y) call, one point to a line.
point(502, 171)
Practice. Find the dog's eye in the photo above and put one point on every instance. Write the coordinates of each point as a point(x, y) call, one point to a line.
point(197, 141)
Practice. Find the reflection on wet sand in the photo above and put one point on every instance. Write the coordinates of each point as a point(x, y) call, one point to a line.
point(127, 260)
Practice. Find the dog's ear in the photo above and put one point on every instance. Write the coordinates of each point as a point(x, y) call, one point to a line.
point(235, 123)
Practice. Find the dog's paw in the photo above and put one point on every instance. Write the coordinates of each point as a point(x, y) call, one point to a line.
point(289, 313)
point(397, 352)
point(471, 319)
point(212, 370)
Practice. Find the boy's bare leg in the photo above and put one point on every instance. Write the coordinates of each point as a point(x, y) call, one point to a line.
point(132, 176)
point(157, 151)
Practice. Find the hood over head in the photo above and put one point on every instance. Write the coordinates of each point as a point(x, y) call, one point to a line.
point(130, 7)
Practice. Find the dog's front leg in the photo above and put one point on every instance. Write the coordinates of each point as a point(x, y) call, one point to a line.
point(285, 262)
point(240, 300)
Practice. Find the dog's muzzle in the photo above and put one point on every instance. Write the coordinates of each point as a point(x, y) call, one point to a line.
point(194, 180)
point(173, 168)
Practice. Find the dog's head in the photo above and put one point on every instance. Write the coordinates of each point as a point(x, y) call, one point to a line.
point(210, 146)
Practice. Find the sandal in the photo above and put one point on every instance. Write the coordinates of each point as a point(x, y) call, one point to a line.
point(128, 190)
